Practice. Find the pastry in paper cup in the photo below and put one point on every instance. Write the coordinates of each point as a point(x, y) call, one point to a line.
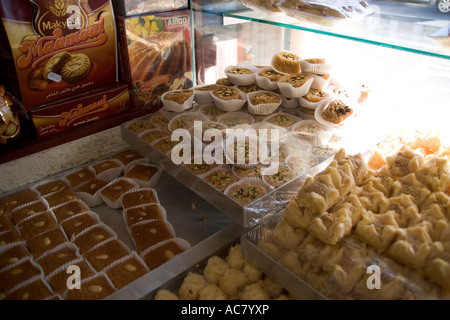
point(149, 211)
point(112, 192)
point(229, 98)
point(301, 163)
point(263, 102)
point(247, 191)
point(178, 100)
point(283, 120)
point(220, 178)
point(244, 151)
point(315, 65)
point(295, 85)
point(203, 93)
point(267, 132)
point(145, 174)
point(267, 78)
point(237, 119)
point(283, 175)
point(184, 120)
point(108, 169)
point(286, 62)
point(334, 113)
point(211, 112)
point(313, 98)
point(320, 81)
point(312, 132)
point(89, 192)
point(242, 74)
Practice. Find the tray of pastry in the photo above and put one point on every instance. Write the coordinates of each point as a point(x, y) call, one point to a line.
point(222, 272)
point(365, 228)
point(114, 220)
point(215, 182)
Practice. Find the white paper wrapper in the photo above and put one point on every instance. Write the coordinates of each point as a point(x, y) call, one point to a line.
point(144, 183)
point(241, 79)
point(316, 138)
point(126, 213)
point(117, 203)
point(301, 163)
point(203, 96)
point(110, 174)
point(167, 223)
point(289, 91)
point(174, 106)
point(137, 190)
point(325, 123)
point(319, 82)
point(289, 103)
point(305, 115)
point(265, 82)
point(312, 105)
point(264, 108)
point(230, 105)
point(316, 68)
point(185, 120)
point(220, 187)
point(236, 119)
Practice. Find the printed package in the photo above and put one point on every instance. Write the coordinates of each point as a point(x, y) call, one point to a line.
point(156, 55)
point(132, 7)
point(81, 110)
point(59, 48)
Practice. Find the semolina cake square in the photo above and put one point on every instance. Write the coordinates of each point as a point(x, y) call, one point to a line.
point(51, 261)
point(91, 237)
point(28, 210)
point(141, 213)
point(60, 197)
point(11, 277)
point(95, 288)
point(36, 290)
point(79, 177)
point(46, 241)
point(13, 255)
point(58, 280)
point(126, 272)
point(5, 224)
point(77, 223)
point(128, 156)
point(147, 234)
point(36, 224)
point(51, 187)
point(9, 237)
point(102, 256)
point(160, 255)
point(17, 199)
point(68, 210)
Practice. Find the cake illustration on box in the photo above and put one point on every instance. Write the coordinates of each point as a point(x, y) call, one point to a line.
point(156, 53)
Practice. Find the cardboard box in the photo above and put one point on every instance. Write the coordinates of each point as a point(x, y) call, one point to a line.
point(156, 55)
point(134, 7)
point(60, 48)
point(81, 110)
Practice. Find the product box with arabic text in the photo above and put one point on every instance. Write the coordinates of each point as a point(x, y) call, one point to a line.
point(81, 110)
point(59, 48)
point(156, 55)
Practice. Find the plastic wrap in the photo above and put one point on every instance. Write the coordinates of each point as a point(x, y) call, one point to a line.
point(327, 12)
point(350, 233)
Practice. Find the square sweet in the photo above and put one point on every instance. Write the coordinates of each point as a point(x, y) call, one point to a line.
point(103, 255)
point(36, 224)
point(78, 223)
point(58, 280)
point(95, 288)
point(60, 197)
point(35, 290)
point(28, 210)
point(128, 156)
point(147, 234)
point(9, 237)
point(11, 277)
point(104, 166)
point(126, 271)
point(79, 177)
point(46, 241)
point(51, 187)
point(113, 192)
point(91, 237)
point(161, 254)
point(92, 186)
point(146, 175)
point(13, 255)
point(69, 209)
point(107, 169)
point(52, 260)
point(144, 212)
point(17, 199)
point(5, 224)
point(137, 197)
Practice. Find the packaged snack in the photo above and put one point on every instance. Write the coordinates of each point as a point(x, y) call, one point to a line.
point(60, 49)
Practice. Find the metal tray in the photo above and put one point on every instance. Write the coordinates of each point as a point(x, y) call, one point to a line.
point(298, 287)
point(249, 215)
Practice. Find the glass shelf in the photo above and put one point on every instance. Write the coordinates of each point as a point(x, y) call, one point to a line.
point(376, 29)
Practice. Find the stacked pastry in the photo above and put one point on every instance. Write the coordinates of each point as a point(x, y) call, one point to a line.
point(352, 217)
point(226, 278)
